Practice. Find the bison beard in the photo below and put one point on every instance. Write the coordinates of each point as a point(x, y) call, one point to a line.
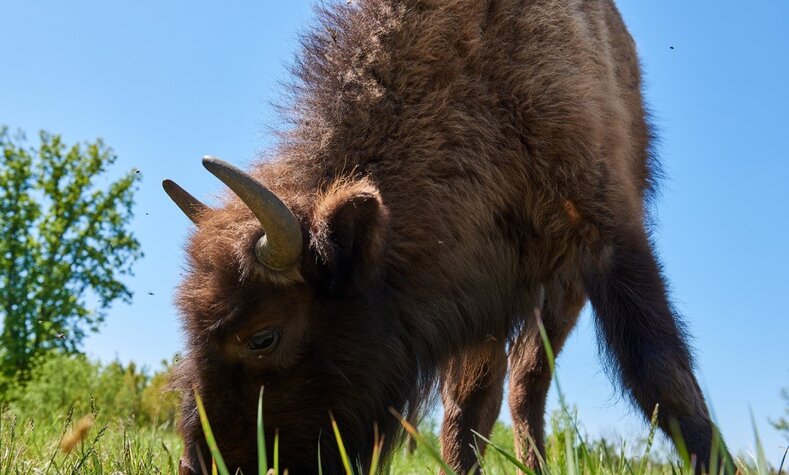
point(453, 168)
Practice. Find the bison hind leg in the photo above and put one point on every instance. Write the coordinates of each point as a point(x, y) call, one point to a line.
point(530, 372)
point(472, 386)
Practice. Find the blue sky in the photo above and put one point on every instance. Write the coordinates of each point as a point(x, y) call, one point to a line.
point(167, 82)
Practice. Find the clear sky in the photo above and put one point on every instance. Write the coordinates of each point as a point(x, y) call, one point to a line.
point(167, 82)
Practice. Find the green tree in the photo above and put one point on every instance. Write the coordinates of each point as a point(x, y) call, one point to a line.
point(159, 401)
point(64, 245)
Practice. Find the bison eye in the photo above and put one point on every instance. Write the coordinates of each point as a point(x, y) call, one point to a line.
point(264, 341)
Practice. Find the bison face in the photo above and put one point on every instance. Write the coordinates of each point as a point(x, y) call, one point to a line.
point(309, 324)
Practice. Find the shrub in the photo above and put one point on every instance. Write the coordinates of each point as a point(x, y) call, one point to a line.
point(158, 403)
point(111, 391)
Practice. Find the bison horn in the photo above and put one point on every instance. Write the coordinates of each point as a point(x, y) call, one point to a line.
point(280, 247)
point(191, 206)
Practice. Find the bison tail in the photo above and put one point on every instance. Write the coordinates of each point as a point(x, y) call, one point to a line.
point(646, 346)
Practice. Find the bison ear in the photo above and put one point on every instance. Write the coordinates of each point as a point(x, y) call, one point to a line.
point(348, 235)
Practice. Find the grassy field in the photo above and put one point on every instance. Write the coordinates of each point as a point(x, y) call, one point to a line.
point(76, 416)
point(88, 445)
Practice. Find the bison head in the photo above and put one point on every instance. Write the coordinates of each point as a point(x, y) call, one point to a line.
point(291, 302)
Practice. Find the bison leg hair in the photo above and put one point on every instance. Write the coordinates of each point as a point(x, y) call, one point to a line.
point(472, 386)
point(644, 338)
point(530, 372)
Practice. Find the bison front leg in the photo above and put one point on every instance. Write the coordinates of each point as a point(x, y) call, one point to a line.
point(530, 372)
point(643, 336)
point(472, 387)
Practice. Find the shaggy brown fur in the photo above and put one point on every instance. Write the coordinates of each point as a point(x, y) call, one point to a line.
point(457, 166)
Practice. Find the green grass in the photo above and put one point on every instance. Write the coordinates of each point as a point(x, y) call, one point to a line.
point(91, 442)
point(31, 446)
point(109, 430)
point(34, 447)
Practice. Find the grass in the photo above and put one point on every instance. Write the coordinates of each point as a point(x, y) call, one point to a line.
point(93, 444)
point(117, 447)
point(61, 446)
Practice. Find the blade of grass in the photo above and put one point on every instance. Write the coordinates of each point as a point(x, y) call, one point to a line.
point(262, 462)
point(650, 439)
point(546, 343)
point(480, 459)
point(276, 452)
point(511, 458)
point(69, 419)
point(625, 460)
point(606, 456)
point(320, 464)
point(209, 436)
point(91, 449)
point(569, 453)
point(543, 464)
point(377, 448)
point(421, 441)
point(201, 461)
point(761, 460)
point(713, 461)
point(340, 446)
point(679, 443)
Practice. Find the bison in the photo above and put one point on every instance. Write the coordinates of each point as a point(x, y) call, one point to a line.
point(452, 169)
